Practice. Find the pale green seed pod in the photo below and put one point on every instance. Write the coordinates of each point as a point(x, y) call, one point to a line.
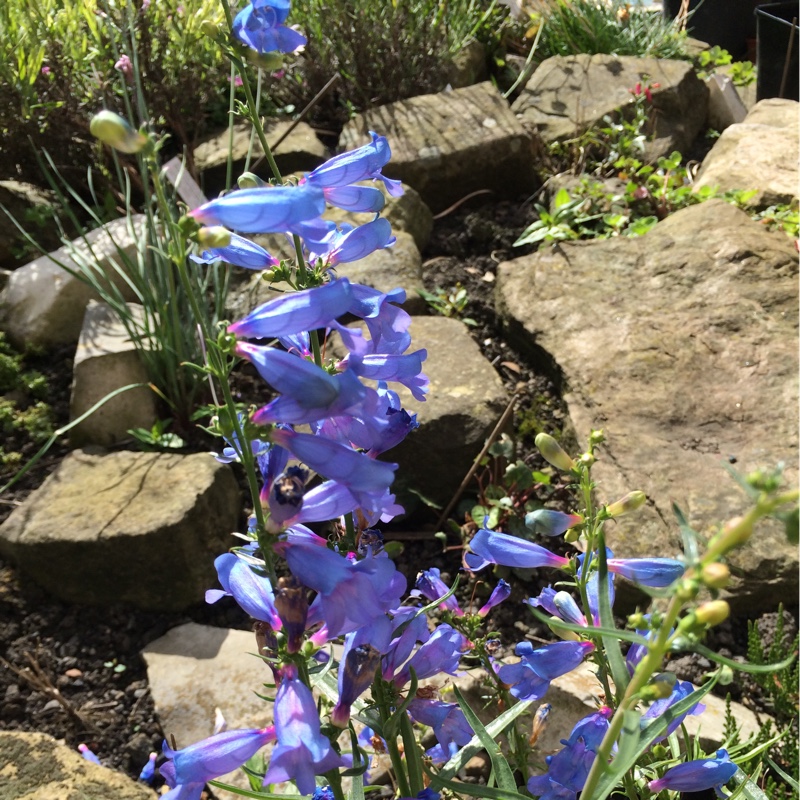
point(716, 575)
point(552, 453)
point(116, 132)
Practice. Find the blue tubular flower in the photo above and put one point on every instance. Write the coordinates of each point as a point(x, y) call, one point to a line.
point(302, 751)
point(551, 523)
point(400, 647)
point(491, 547)
point(655, 572)
point(681, 690)
point(251, 591)
point(566, 774)
point(696, 776)
point(400, 422)
point(405, 369)
point(327, 501)
point(530, 678)
point(500, 593)
point(308, 392)
point(240, 252)
point(387, 323)
point(431, 586)
point(273, 209)
point(360, 164)
point(350, 594)
point(284, 498)
point(592, 728)
point(356, 471)
point(208, 759)
point(359, 242)
point(296, 312)
point(441, 653)
point(259, 27)
point(449, 725)
point(355, 198)
point(559, 604)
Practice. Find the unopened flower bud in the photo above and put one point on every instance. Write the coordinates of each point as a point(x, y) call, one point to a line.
point(572, 535)
point(213, 237)
point(659, 751)
point(625, 505)
point(587, 459)
point(269, 61)
point(713, 613)
point(687, 589)
point(209, 28)
point(735, 532)
point(596, 437)
point(552, 453)
point(248, 180)
point(292, 606)
point(660, 687)
point(716, 575)
point(113, 130)
point(637, 621)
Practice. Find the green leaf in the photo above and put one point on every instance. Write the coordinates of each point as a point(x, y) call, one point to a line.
point(247, 793)
point(562, 198)
point(472, 789)
point(626, 759)
point(741, 667)
point(494, 729)
point(791, 523)
point(784, 775)
point(502, 772)
point(592, 632)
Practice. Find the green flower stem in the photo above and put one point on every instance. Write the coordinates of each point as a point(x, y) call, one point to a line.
point(335, 782)
point(647, 666)
point(380, 696)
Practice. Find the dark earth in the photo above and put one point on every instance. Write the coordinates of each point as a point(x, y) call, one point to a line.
point(76, 673)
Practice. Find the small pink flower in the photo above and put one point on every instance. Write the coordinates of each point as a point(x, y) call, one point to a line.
point(125, 66)
point(45, 70)
point(145, 5)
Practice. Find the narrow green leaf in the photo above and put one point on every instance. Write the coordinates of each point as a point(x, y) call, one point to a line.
point(472, 789)
point(595, 632)
point(742, 667)
point(502, 772)
point(393, 723)
point(619, 670)
point(785, 775)
point(494, 729)
point(246, 792)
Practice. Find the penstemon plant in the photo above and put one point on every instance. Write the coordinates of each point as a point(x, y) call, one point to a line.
point(330, 619)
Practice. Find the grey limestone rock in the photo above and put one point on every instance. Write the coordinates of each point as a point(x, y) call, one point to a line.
point(125, 527)
point(682, 346)
point(34, 766)
point(567, 95)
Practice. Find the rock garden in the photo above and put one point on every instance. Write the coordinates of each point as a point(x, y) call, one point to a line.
point(400, 398)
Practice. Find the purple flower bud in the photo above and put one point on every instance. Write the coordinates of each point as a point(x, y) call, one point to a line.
point(431, 586)
point(273, 209)
point(500, 593)
point(491, 547)
point(87, 754)
point(551, 523)
point(148, 772)
point(654, 572)
point(568, 609)
point(695, 776)
point(240, 252)
point(299, 311)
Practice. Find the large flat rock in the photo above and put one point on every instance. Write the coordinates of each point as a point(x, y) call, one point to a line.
point(449, 144)
point(682, 346)
point(568, 95)
point(138, 528)
point(35, 766)
point(759, 153)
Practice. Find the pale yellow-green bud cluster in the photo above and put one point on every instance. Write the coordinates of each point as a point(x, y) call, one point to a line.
point(552, 452)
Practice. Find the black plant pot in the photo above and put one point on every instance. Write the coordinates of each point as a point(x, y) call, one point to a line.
point(727, 23)
point(778, 50)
